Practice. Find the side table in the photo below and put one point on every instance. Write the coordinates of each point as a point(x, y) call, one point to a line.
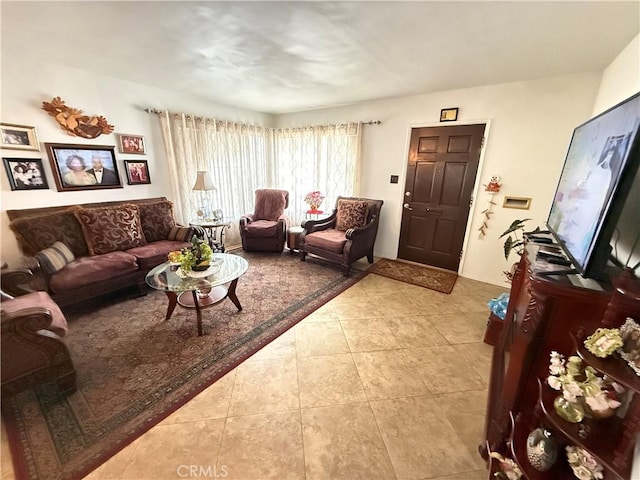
point(316, 215)
point(216, 242)
point(293, 238)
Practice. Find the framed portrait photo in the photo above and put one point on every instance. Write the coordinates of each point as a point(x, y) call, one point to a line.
point(83, 167)
point(18, 137)
point(630, 349)
point(25, 173)
point(137, 172)
point(131, 144)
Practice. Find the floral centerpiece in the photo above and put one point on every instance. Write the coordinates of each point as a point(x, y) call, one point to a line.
point(582, 384)
point(195, 257)
point(584, 466)
point(314, 199)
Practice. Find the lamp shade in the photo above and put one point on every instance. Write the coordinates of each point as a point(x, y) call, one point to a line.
point(203, 181)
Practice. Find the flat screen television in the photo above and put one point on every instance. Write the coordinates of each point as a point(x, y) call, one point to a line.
point(598, 173)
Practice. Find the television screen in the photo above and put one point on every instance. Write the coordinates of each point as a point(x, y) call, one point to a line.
point(601, 162)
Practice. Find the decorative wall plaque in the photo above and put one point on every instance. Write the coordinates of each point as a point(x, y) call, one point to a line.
point(74, 122)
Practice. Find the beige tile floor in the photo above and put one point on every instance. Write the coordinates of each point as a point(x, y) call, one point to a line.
point(386, 381)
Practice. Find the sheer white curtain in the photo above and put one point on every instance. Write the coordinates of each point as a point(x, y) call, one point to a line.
point(322, 157)
point(236, 156)
point(242, 158)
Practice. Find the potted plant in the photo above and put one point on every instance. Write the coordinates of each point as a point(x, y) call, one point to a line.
point(195, 257)
point(514, 242)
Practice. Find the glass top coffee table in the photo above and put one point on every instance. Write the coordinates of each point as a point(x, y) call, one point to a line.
point(198, 290)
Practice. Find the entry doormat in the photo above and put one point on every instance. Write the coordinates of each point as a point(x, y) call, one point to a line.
point(422, 275)
point(135, 368)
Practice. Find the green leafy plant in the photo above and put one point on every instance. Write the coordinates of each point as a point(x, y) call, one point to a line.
point(515, 239)
point(514, 242)
point(198, 252)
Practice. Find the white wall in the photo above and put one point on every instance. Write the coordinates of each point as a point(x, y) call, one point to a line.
point(531, 125)
point(530, 128)
point(26, 83)
point(620, 80)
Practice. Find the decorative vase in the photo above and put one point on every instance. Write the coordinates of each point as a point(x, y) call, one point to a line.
point(542, 449)
point(571, 412)
point(313, 207)
point(203, 292)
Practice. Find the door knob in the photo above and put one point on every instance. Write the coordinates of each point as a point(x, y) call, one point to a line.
point(407, 194)
point(428, 209)
point(406, 205)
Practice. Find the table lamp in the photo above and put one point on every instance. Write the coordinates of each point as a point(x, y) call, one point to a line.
point(203, 185)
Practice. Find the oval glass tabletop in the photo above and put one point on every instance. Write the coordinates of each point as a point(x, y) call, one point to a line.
point(166, 276)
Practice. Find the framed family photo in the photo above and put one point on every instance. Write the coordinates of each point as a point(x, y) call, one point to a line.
point(83, 167)
point(137, 172)
point(18, 137)
point(25, 173)
point(131, 144)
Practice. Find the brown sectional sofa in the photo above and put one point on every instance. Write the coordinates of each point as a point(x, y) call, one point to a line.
point(109, 245)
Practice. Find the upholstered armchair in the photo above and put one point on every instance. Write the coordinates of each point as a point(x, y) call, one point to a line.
point(266, 228)
point(32, 347)
point(346, 236)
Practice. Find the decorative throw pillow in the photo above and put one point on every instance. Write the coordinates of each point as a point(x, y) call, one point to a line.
point(351, 214)
point(38, 232)
point(157, 220)
point(109, 229)
point(54, 258)
point(182, 234)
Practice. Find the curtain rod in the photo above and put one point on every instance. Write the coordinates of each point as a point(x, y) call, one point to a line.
point(157, 112)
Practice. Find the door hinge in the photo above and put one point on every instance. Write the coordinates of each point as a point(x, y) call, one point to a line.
point(471, 201)
point(482, 143)
point(461, 253)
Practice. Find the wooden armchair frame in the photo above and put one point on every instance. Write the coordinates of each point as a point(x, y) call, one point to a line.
point(31, 352)
point(360, 241)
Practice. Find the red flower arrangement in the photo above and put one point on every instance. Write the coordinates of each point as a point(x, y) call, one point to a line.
point(314, 200)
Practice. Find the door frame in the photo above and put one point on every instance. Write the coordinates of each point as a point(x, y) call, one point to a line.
point(476, 185)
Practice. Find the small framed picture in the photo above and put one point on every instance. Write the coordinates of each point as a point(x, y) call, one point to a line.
point(137, 172)
point(131, 144)
point(83, 167)
point(449, 114)
point(25, 173)
point(19, 137)
point(603, 342)
point(630, 349)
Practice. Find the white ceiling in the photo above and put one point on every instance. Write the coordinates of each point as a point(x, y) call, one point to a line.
point(277, 57)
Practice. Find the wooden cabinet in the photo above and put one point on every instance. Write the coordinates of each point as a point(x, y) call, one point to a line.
point(543, 313)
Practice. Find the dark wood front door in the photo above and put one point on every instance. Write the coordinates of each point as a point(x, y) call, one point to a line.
point(443, 162)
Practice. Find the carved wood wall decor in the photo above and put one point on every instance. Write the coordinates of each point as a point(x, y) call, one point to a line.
point(73, 121)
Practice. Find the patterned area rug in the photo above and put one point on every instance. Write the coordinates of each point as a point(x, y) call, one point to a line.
point(422, 275)
point(134, 368)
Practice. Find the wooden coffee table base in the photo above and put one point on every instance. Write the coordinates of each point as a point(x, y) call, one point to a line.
point(191, 300)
